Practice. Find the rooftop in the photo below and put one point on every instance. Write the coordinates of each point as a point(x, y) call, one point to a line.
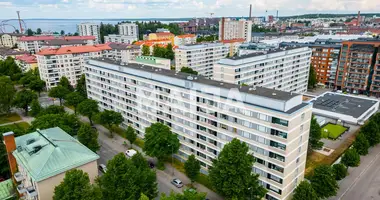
point(49, 38)
point(27, 58)
point(186, 36)
point(6, 189)
point(60, 42)
point(163, 34)
point(5, 51)
point(270, 51)
point(233, 40)
point(122, 46)
point(74, 50)
point(13, 34)
point(50, 152)
point(202, 45)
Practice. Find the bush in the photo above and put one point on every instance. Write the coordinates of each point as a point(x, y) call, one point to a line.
point(340, 171)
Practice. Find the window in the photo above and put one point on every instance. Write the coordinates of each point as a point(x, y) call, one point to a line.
point(275, 167)
point(278, 133)
point(277, 145)
point(301, 128)
point(276, 156)
point(302, 116)
point(279, 121)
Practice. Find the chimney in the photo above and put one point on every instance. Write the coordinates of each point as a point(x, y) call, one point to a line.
point(358, 21)
point(10, 146)
point(250, 11)
point(277, 15)
point(222, 30)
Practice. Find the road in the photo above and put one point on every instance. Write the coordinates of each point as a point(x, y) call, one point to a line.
point(363, 182)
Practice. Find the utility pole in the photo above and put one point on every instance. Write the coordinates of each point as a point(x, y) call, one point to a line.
point(19, 21)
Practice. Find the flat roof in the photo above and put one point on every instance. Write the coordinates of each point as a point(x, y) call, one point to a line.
point(270, 51)
point(343, 104)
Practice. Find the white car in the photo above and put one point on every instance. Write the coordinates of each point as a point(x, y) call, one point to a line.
point(176, 182)
point(130, 152)
point(102, 168)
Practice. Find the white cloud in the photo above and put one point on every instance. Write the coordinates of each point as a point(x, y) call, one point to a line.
point(6, 4)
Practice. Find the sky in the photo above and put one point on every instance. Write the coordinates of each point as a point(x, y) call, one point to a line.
point(96, 9)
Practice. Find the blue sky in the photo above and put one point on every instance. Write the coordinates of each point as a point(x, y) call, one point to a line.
point(176, 8)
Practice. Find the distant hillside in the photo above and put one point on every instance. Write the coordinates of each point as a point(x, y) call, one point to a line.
point(329, 15)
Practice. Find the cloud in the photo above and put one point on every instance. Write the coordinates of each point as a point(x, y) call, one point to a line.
point(6, 4)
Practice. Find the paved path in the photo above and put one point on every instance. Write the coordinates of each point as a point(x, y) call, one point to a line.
point(10, 123)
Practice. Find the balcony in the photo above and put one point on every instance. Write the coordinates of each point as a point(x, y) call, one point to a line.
point(18, 176)
point(21, 189)
point(31, 192)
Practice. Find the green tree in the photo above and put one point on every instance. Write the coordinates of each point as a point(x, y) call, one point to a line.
point(232, 177)
point(27, 78)
point(323, 181)
point(88, 137)
point(192, 167)
point(7, 94)
point(340, 171)
point(52, 109)
point(312, 78)
point(76, 186)
point(169, 53)
point(187, 195)
point(74, 99)
point(160, 142)
point(35, 108)
point(39, 31)
point(371, 132)
point(81, 86)
point(143, 197)
point(131, 135)
point(4, 165)
point(351, 158)
point(66, 83)
point(37, 86)
point(145, 50)
point(23, 99)
point(59, 92)
point(62, 32)
point(106, 29)
point(29, 32)
point(110, 118)
point(69, 123)
point(123, 180)
point(159, 51)
point(305, 191)
point(361, 144)
point(315, 135)
point(88, 108)
point(189, 70)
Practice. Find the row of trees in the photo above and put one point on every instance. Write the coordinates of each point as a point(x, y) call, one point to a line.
point(208, 38)
point(38, 31)
point(161, 52)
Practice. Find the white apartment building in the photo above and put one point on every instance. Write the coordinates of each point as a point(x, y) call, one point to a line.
point(200, 57)
point(122, 52)
point(129, 29)
point(127, 39)
point(66, 61)
point(9, 39)
point(89, 29)
point(186, 39)
point(285, 69)
point(230, 29)
point(207, 114)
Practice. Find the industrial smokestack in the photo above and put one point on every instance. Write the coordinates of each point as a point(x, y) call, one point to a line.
point(277, 15)
point(222, 32)
point(358, 21)
point(250, 11)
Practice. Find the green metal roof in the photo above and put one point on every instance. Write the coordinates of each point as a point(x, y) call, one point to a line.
point(148, 59)
point(49, 152)
point(6, 189)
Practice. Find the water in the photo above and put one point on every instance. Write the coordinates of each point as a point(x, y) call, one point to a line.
point(68, 25)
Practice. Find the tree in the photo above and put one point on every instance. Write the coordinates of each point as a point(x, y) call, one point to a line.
point(4, 165)
point(74, 99)
point(323, 181)
point(192, 167)
point(131, 135)
point(231, 173)
point(361, 144)
point(7, 94)
point(59, 92)
point(29, 32)
point(315, 135)
point(143, 197)
point(88, 137)
point(305, 191)
point(111, 118)
point(124, 180)
point(371, 132)
point(39, 31)
point(76, 186)
point(69, 123)
point(169, 53)
point(66, 83)
point(189, 70)
point(351, 158)
point(312, 78)
point(160, 142)
point(81, 86)
point(62, 32)
point(52, 109)
point(35, 108)
point(187, 195)
point(145, 50)
point(159, 51)
point(23, 99)
point(88, 108)
point(340, 171)
point(37, 86)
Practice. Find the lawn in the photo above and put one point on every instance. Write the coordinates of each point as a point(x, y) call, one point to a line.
point(334, 131)
point(21, 125)
point(12, 117)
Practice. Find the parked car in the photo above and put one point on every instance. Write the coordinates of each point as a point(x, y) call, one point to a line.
point(102, 168)
point(130, 152)
point(176, 182)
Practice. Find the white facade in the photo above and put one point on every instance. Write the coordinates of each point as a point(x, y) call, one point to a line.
point(9, 39)
point(128, 29)
point(200, 57)
point(280, 69)
point(122, 53)
point(206, 121)
point(120, 38)
point(89, 29)
point(235, 29)
point(184, 40)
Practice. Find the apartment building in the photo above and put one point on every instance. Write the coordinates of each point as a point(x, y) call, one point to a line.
point(180, 40)
point(120, 38)
point(157, 62)
point(26, 62)
point(230, 29)
point(39, 160)
point(285, 69)
point(128, 29)
point(122, 52)
point(9, 39)
point(89, 29)
point(161, 36)
point(358, 68)
point(207, 114)
point(66, 61)
point(200, 57)
point(234, 45)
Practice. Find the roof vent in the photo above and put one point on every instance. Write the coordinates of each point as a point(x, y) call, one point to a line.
point(195, 78)
point(221, 83)
point(30, 141)
point(19, 149)
point(189, 78)
point(274, 94)
point(359, 106)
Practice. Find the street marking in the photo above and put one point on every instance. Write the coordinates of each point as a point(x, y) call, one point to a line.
point(357, 178)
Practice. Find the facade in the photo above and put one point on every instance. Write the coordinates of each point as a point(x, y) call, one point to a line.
point(235, 29)
point(234, 45)
point(9, 39)
point(280, 69)
point(207, 114)
point(89, 29)
point(128, 29)
point(122, 52)
point(157, 62)
point(180, 40)
point(26, 62)
point(200, 57)
point(120, 38)
point(359, 66)
point(66, 61)
point(161, 36)
point(39, 161)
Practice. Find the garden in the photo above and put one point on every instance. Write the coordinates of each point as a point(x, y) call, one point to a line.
point(333, 131)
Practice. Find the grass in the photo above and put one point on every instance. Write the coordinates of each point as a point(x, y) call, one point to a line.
point(8, 118)
point(334, 131)
point(21, 125)
point(139, 142)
